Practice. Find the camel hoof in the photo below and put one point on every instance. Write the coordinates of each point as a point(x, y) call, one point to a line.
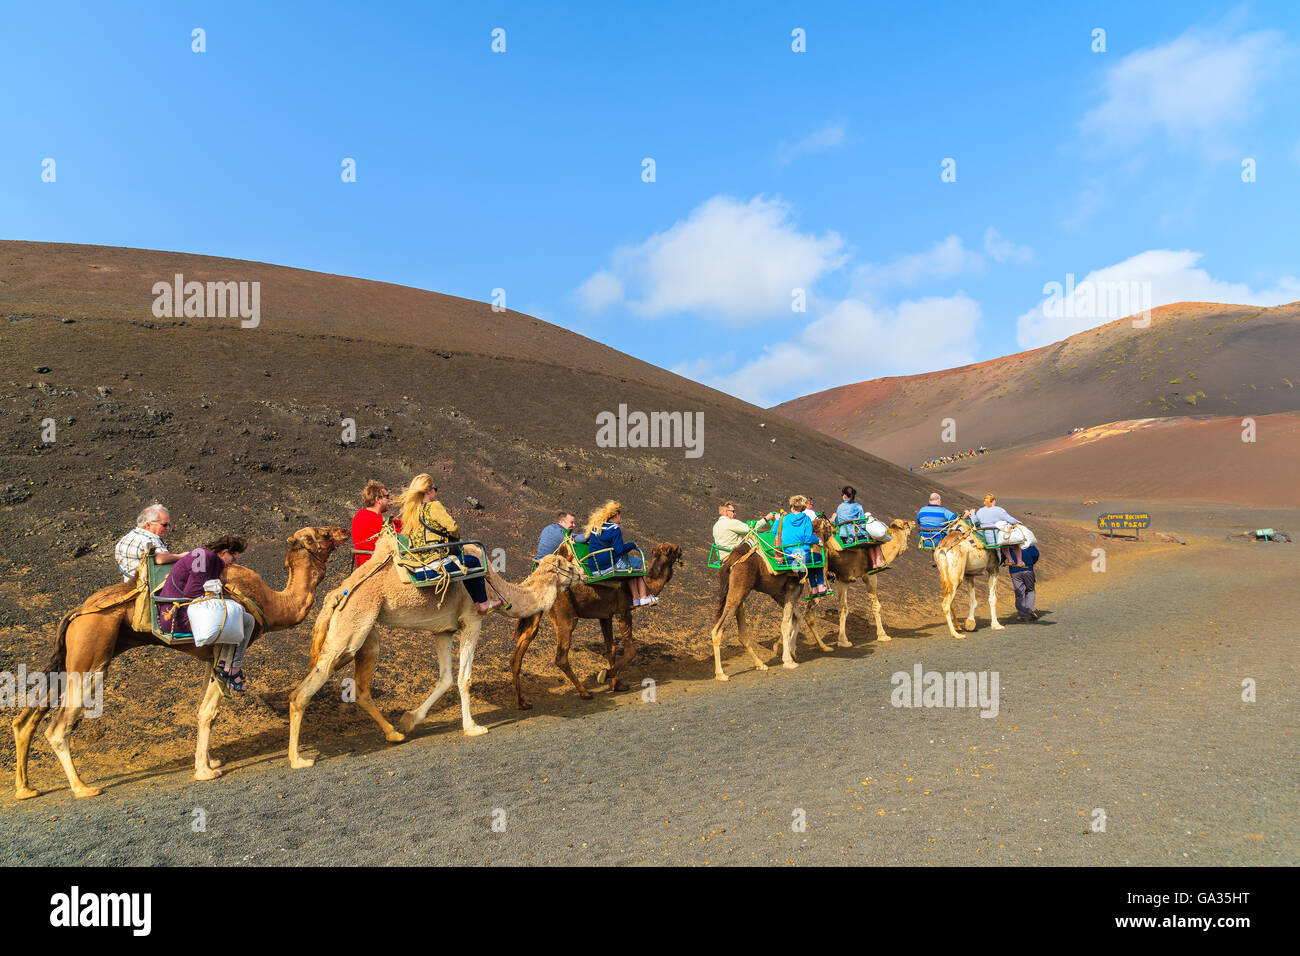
point(619, 685)
point(789, 665)
point(301, 763)
point(83, 791)
point(523, 705)
point(475, 730)
point(25, 793)
point(883, 638)
point(724, 676)
point(394, 736)
point(585, 695)
point(408, 722)
point(969, 625)
point(997, 627)
point(207, 773)
point(762, 667)
point(846, 643)
point(960, 636)
point(214, 762)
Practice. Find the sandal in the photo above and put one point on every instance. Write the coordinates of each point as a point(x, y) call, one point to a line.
point(230, 679)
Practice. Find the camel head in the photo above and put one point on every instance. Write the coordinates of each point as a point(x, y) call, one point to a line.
point(319, 542)
point(568, 573)
point(902, 528)
point(662, 560)
point(824, 530)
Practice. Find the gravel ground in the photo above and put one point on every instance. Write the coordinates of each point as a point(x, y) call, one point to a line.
point(1124, 698)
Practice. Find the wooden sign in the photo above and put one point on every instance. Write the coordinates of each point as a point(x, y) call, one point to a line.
point(1128, 521)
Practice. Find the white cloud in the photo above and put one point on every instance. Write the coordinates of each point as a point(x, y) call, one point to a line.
point(600, 290)
point(1148, 280)
point(943, 260)
point(1194, 87)
point(828, 137)
point(737, 260)
point(1004, 250)
point(856, 341)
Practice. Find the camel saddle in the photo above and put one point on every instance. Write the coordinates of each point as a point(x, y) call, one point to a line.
point(146, 616)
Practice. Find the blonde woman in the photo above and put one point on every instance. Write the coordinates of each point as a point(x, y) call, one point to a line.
point(795, 538)
point(426, 521)
point(605, 535)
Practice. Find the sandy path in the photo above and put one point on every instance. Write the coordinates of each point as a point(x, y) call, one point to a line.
point(1126, 698)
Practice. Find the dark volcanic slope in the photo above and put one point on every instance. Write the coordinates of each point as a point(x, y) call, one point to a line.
point(239, 430)
point(1193, 359)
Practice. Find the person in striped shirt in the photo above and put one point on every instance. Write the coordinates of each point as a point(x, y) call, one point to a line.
point(932, 519)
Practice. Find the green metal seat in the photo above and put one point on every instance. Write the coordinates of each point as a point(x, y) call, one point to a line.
point(779, 560)
point(414, 562)
point(582, 553)
point(157, 578)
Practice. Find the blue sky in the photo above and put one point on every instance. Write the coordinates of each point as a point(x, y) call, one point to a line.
point(775, 170)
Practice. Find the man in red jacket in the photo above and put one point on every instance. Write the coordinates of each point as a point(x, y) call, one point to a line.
point(367, 522)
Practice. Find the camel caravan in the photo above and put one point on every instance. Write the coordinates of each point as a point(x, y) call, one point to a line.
point(414, 569)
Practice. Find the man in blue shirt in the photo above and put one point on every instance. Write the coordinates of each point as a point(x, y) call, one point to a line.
point(1022, 578)
point(931, 520)
point(552, 535)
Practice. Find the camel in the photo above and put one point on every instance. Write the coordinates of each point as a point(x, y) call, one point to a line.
point(375, 594)
point(744, 571)
point(960, 555)
point(599, 602)
point(851, 565)
point(101, 629)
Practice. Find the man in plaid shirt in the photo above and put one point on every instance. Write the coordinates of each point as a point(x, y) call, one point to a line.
point(150, 526)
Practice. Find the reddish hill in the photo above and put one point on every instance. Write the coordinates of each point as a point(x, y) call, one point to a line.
point(1193, 359)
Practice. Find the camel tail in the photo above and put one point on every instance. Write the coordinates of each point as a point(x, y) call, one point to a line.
point(322, 626)
point(724, 586)
point(59, 661)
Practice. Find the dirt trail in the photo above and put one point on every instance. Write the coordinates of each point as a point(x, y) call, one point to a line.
point(1124, 698)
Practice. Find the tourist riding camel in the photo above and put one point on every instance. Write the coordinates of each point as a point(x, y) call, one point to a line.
point(850, 565)
point(151, 526)
point(795, 537)
point(608, 552)
point(553, 536)
point(729, 531)
point(932, 521)
point(987, 518)
point(746, 570)
point(961, 555)
point(427, 522)
point(107, 625)
point(588, 602)
point(367, 522)
point(376, 594)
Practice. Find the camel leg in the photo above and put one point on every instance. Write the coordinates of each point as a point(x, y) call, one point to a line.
point(629, 649)
point(563, 639)
point(790, 621)
point(810, 621)
point(747, 637)
point(204, 767)
point(875, 608)
point(843, 587)
point(413, 717)
point(525, 630)
point(974, 602)
point(993, 599)
point(24, 726)
point(367, 658)
point(65, 722)
point(313, 682)
point(949, 590)
point(468, 642)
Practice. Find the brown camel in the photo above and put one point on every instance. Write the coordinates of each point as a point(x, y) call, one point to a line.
point(744, 571)
point(959, 555)
point(599, 602)
point(376, 594)
point(851, 565)
point(101, 630)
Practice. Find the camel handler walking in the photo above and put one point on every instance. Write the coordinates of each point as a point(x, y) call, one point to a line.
point(1022, 578)
point(151, 526)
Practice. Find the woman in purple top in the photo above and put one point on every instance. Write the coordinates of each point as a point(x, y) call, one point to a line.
point(186, 580)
